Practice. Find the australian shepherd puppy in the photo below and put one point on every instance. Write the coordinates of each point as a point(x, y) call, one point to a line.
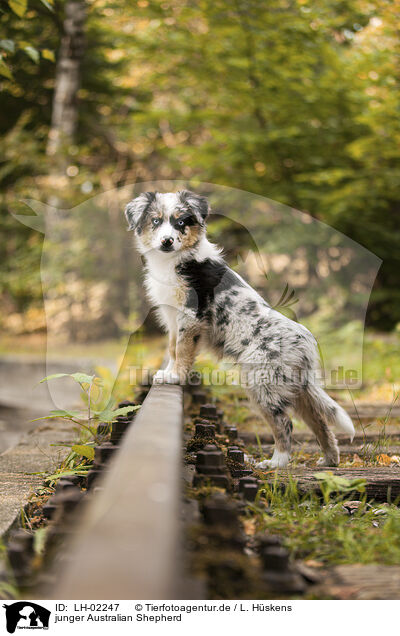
point(200, 299)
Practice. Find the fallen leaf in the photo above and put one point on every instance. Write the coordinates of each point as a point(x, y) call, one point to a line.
point(383, 459)
point(357, 461)
point(313, 564)
point(249, 526)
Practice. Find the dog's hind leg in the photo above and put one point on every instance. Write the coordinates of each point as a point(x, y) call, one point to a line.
point(319, 426)
point(281, 427)
point(272, 400)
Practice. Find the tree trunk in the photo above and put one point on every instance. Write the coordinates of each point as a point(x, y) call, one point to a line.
point(61, 136)
point(65, 103)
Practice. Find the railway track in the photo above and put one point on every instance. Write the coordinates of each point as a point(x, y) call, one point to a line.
point(128, 544)
point(165, 513)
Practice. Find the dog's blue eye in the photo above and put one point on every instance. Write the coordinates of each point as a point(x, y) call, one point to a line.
point(181, 223)
point(156, 222)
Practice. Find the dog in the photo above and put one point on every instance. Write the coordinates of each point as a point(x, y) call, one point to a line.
point(200, 300)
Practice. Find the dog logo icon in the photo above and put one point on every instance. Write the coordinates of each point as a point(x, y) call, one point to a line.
point(26, 615)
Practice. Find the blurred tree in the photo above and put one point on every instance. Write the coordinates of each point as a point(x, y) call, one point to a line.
point(363, 199)
point(64, 115)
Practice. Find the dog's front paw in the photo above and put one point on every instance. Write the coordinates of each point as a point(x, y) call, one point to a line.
point(266, 465)
point(278, 460)
point(163, 376)
point(327, 461)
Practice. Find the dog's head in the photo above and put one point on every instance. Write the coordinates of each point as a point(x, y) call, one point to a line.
point(168, 222)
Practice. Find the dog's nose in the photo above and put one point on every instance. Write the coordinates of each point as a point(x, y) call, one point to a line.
point(167, 241)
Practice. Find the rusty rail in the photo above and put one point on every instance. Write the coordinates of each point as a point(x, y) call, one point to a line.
point(128, 540)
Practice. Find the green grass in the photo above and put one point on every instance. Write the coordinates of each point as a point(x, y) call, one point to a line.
point(327, 533)
point(381, 358)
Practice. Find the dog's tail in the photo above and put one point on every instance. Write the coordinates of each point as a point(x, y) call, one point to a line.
point(321, 406)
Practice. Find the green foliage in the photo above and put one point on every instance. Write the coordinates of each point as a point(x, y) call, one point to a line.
point(76, 468)
point(10, 46)
point(18, 6)
point(39, 540)
point(109, 415)
point(84, 451)
point(80, 378)
point(92, 418)
point(81, 454)
point(330, 483)
point(4, 70)
point(297, 101)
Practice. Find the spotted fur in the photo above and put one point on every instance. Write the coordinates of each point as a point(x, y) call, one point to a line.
point(200, 300)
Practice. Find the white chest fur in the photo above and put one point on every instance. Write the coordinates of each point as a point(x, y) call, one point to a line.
point(162, 283)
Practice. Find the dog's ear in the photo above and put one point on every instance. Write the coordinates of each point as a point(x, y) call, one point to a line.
point(197, 203)
point(135, 211)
